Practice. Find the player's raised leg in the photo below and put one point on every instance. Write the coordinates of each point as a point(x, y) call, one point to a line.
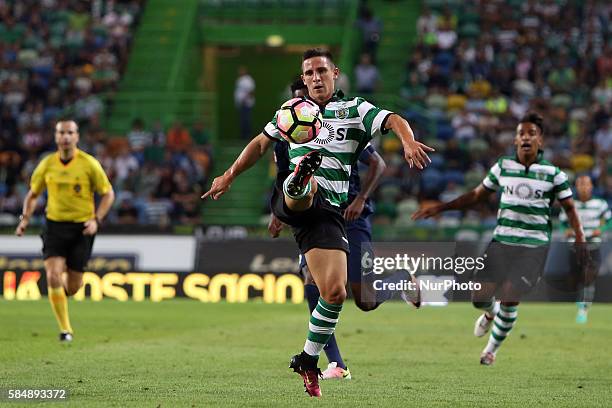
point(300, 186)
point(55, 267)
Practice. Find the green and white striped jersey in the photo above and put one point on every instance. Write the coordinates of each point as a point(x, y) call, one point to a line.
point(593, 214)
point(526, 198)
point(348, 126)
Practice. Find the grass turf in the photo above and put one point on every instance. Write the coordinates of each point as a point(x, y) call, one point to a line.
point(182, 353)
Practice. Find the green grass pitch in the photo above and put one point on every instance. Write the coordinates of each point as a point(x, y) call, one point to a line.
point(183, 353)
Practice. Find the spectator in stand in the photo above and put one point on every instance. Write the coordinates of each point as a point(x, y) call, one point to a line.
point(493, 62)
point(366, 75)
point(178, 140)
point(371, 29)
point(244, 99)
point(427, 22)
point(139, 139)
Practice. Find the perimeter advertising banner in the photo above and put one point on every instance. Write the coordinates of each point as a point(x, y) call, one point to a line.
point(158, 286)
point(155, 268)
point(242, 270)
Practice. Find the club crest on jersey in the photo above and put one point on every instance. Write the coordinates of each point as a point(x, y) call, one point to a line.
point(342, 113)
point(540, 176)
point(325, 137)
point(77, 188)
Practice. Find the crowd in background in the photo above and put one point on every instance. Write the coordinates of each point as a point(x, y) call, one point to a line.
point(64, 58)
point(477, 68)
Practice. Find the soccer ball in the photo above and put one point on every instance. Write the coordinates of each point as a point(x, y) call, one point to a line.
point(299, 120)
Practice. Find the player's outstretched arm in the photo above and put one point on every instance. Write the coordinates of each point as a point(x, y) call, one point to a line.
point(247, 158)
point(573, 220)
point(29, 204)
point(462, 202)
point(414, 151)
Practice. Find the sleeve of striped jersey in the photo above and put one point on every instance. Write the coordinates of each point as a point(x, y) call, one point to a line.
point(561, 187)
point(100, 180)
point(373, 118)
point(37, 182)
point(271, 131)
point(491, 180)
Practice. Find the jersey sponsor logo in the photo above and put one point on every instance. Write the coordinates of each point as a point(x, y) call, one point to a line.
point(342, 113)
point(523, 191)
point(325, 137)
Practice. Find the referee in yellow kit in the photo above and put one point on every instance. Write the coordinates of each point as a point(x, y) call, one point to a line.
point(71, 177)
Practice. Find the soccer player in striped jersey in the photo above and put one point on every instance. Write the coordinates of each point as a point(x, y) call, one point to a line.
point(515, 258)
point(594, 215)
point(357, 214)
point(310, 197)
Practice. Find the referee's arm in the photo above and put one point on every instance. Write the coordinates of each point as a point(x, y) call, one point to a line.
point(29, 204)
point(106, 201)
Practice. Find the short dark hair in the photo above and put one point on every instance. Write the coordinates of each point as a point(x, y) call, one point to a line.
point(66, 119)
point(297, 85)
point(317, 52)
point(535, 118)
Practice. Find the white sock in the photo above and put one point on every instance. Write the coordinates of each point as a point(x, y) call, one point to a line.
point(502, 325)
point(299, 196)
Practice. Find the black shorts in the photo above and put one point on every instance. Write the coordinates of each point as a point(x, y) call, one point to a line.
point(321, 226)
point(66, 239)
point(522, 266)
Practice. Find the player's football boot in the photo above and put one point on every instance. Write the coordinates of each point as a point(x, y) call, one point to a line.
point(484, 322)
point(298, 185)
point(307, 368)
point(65, 337)
point(412, 295)
point(487, 358)
point(333, 371)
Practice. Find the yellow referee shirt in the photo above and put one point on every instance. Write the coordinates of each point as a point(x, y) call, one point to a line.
point(70, 186)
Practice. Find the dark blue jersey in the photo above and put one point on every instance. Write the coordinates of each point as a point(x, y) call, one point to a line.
point(355, 182)
point(281, 157)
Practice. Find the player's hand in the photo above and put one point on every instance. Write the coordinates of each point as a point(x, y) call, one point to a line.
point(354, 210)
point(426, 212)
point(90, 227)
point(21, 227)
point(275, 226)
point(415, 154)
point(220, 186)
